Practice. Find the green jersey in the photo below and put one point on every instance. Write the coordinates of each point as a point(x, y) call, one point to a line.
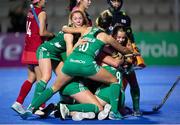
point(52, 48)
point(81, 61)
point(93, 46)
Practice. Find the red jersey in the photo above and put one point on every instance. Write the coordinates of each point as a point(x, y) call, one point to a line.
point(32, 38)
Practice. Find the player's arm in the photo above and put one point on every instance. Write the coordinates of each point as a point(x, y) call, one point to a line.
point(72, 30)
point(111, 41)
point(114, 62)
point(69, 43)
point(42, 29)
point(109, 60)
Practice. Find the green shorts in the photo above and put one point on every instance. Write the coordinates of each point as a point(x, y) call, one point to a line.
point(78, 64)
point(104, 90)
point(43, 53)
point(63, 56)
point(73, 87)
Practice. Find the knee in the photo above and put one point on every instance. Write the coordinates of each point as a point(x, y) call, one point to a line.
point(31, 78)
point(55, 88)
point(46, 77)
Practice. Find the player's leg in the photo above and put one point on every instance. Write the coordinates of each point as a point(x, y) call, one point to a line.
point(110, 105)
point(104, 76)
point(46, 70)
point(135, 93)
point(88, 104)
point(25, 88)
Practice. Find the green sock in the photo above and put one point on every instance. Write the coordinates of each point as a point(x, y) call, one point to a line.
point(46, 94)
point(83, 108)
point(114, 96)
point(121, 99)
point(40, 86)
point(135, 94)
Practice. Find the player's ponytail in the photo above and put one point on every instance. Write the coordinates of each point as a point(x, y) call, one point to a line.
point(104, 21)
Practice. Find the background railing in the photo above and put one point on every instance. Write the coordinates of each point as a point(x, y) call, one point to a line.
point(147, 15)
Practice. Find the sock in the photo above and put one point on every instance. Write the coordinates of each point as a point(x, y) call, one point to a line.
point(83, 108)
point(135, 94)
point(114, 96)
point(46, 94)
point(40, 86)
point(25, 88)
point(121, 99)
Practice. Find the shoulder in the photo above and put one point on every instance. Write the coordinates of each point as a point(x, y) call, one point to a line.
point(75, 8)
point(43, 12)
point(42, 15)
point(123, 13)
point(107, 11)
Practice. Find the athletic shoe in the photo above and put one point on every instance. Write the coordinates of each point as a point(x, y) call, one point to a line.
point(104, 113)
point(64, 111)
point(57, 114)
point(27, 114)
point(125, 111)
point(39, 113)
point(115, 116)
point(47, 110)
point(17, 107)
point(137, 113)
point(78, 116)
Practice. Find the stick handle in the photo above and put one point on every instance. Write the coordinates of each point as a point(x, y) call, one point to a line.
point(35, 15)
point(130, 55)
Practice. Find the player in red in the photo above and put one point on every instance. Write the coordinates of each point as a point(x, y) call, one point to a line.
point(36, 33)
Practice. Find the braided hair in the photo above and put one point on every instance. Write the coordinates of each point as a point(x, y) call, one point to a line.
point(104, 21)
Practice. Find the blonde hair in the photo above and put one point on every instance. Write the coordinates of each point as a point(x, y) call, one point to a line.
point(77, 11)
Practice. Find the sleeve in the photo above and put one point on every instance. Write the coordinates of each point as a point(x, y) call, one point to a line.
point(129, 29)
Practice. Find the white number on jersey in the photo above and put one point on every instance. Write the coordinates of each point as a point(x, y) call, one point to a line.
point(118, 76)
point(28, 30)
point(84, 47)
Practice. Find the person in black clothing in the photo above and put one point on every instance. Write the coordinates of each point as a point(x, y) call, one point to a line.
point(118, 16)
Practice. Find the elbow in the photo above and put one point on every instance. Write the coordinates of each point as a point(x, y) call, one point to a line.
point(42, 34)
point(64, 28)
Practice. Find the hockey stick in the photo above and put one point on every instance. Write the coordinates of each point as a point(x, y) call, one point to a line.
point(35, 15)
point(131, 55)
point(156, 108)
